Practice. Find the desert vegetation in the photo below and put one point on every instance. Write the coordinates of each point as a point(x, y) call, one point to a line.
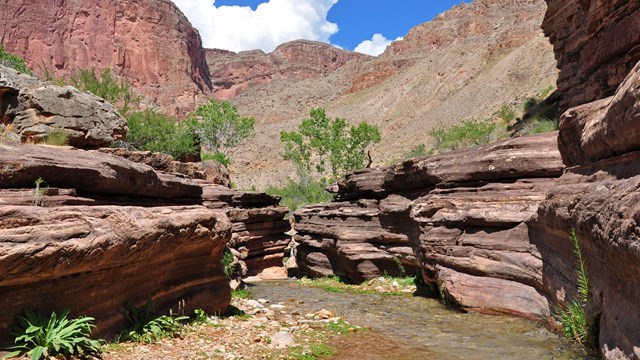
point(13, 61)
point(322, 150)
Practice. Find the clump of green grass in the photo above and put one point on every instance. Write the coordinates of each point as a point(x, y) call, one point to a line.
point(342, 327)
point(39, 336)
point(507, 113)
point(220, 157)
point(242, 294)
point(539, 126)
point(297, 194)
point(57, 137)
point(316, 351)
point(577, 323)
point(465, 134)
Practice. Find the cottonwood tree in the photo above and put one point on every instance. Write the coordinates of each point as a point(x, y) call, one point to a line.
point(331, 147)
point(219, 128)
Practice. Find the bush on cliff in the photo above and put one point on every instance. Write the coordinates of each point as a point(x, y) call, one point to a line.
point(298, 194)
point(107, 86)
point(152, 131)
point(13, 61)
point(465, 134)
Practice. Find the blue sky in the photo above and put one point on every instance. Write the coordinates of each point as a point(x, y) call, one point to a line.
point(364, 25)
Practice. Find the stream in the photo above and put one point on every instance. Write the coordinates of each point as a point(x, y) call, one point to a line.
point(418, 328)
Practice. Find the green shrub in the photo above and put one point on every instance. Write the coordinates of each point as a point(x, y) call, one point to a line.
point(538, 126)
point(106, 86)
point(416, 151)
point(241, 294)
point(297, 194)
point(222, 158)
point(465, 134)
point(42, 337)
point(507, 113)
point(152, 131)
point(144, 325)
point(57, 137)
point(227, 260)
point(577, 323)
point(13, 61)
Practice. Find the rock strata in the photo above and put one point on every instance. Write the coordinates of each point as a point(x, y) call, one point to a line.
point(595, 45)
point(34, 109)
point(597, 197)
point(458, 218)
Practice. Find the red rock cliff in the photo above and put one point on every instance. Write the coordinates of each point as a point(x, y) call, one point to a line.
point(596, 44)
point(148, 42)
point(297, 60)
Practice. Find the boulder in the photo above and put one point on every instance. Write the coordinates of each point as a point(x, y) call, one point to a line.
point(35, 109)
point(95, 259)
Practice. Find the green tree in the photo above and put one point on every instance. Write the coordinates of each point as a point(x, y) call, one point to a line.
point(328, 146)
point(219, 128)
point(152, 131)
point(13, 61)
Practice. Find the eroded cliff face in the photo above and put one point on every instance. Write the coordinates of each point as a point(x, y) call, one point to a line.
point(598, 197)
point(596, 45)
point(458, 218)
point(149, 43)
point(298, 60)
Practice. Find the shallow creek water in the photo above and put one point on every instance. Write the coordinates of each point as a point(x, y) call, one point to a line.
point(418, 328)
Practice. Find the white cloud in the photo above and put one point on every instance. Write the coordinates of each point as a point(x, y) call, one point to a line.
point(239, 28)
point(375, 46)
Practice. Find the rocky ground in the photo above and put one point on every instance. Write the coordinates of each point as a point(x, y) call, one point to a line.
point(260, 330)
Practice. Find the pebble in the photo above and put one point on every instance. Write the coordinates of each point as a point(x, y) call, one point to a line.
point(255, 304)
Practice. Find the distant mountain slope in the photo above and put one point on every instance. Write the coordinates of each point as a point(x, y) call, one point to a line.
point(464, 64)
point(150, 43)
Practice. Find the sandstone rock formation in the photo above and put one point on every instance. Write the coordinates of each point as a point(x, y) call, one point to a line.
point(465, 64)
point(34, 110)
point(595, 45)
point(149, 43)
point(597, 196)
point(233, 73)
point(458, 218)
point(106, 231)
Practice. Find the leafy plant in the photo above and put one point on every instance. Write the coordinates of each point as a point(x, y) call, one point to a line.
point(297, 194)
point(218, 156)
point(144, 325)
point(465, 134)
point(41, 337)
point(507, 113)
point(538, 126)
point(226, 262)
point(152, 131)
point(13, 61)
point(576, 322)
point(39, 192)
point(328, 146)
point(219, 128)
point(107, 86)
point(416, 151)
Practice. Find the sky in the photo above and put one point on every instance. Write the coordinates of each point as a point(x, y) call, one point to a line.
point(366, 26)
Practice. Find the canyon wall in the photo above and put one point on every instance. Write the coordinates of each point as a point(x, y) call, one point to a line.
point(91, 230)
point(458, 218)
point(149, 43)
point(595, 44)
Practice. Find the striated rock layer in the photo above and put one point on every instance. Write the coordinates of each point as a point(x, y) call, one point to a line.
point(596, 45)
point(150, 43)
point(598, 197)
point(458, 218)
point(102, 231)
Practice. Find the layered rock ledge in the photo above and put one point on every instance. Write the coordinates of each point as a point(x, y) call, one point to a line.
point(457, 218)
